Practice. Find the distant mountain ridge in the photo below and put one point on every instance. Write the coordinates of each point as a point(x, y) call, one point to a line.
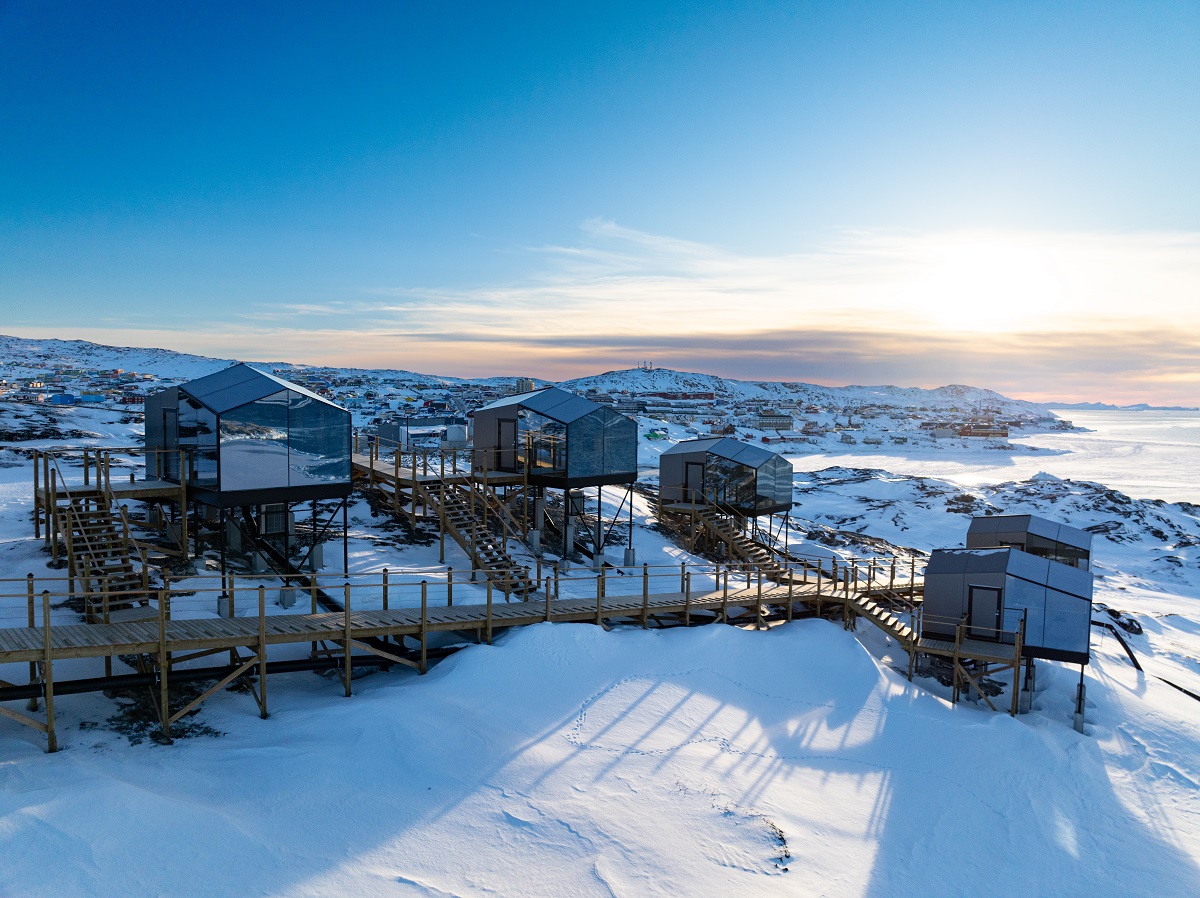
point(168, 364)
point(1134, 407)
point(642, 380)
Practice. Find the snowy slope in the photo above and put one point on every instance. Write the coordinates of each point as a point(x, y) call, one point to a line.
point(638, 380)
point(39, 355)
point(23, 356)
point(571, 761)
point(19, 354)
point(567, 760)
point(1153, 540)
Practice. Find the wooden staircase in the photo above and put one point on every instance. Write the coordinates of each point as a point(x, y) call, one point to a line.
point(875, 609)
point(452, 504)
point(750, 552)
point(98, 555)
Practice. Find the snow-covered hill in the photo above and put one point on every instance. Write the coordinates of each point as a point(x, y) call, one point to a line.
point(1146, 539)
point(22, 356)
point(19, 353)
point(963, 398)
point(708, 761)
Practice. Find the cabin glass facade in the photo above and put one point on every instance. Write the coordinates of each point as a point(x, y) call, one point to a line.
point(560, 439)
point(254, 439)
point(722, 471)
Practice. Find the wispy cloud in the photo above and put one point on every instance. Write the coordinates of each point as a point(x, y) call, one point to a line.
point(1045, 315)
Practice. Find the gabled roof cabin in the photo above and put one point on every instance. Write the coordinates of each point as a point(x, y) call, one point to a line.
point(733, 475)
point(253, 438)
point(1033, 570)
point(1037, 536)
point(558, 438)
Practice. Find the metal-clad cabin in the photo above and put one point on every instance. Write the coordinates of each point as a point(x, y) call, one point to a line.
point(1037, 536)
point(253, 438)
point(560, 439)
point(725, 472)
point(990, 590)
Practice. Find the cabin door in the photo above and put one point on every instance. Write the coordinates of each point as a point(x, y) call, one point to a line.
point(983, 612)
point(506, 445)
point(693, 481)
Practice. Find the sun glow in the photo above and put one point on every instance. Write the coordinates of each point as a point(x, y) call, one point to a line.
point(987, 285)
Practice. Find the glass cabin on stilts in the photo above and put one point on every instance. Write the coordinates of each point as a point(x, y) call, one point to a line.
point(256, 452)
point(562, 445)
point(723, 486)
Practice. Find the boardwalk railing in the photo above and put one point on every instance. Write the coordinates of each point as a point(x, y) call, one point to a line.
point(172, 625)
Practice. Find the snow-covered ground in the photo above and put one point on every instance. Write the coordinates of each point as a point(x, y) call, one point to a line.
point(1145, 454)
point(566, 760)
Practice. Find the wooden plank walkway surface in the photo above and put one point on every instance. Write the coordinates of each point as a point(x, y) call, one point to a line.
point(18, 644)
point(388, 472)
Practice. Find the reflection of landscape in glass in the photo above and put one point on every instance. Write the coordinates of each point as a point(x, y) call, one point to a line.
point(286, 439)
point(198, 432)
point(599, 443)
point(547, 438)
point(602, 442)
point(320, 442)
point(727, 482)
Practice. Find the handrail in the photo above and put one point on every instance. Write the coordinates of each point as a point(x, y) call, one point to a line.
point(212, 582)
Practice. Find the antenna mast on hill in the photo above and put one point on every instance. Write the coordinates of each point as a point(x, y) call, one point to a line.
point(647, 366)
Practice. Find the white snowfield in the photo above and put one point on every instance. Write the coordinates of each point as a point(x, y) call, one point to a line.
point(569, 761)
point(566, 760)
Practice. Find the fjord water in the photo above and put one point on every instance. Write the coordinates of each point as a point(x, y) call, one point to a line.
point(1144, 454)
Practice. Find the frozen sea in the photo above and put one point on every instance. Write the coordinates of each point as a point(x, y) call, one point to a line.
point(1147, 455)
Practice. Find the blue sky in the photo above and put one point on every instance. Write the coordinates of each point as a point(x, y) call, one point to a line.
point(558, 188)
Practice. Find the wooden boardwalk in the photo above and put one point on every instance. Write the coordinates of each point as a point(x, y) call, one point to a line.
point(20, 644)
point(164, 642)
point(393, 472)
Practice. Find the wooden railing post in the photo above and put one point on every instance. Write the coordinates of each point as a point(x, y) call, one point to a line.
point(262, 651)
point(48, 673)
point(105, 598)
point(424, 623)
point(687, 601)
point(37, 500)
point(47, 499)
point(645, 595)
point(33, 702)
point(442, 522)
point(412, 506)
point(164, 666)
point(53, 510)
point(385, 589)
point(449, 587)
point(489, 608)
point(346, 638)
